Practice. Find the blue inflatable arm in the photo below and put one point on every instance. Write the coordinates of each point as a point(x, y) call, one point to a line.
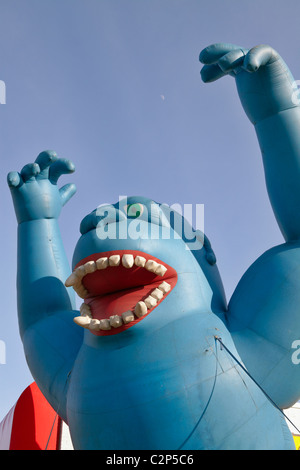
point(264, 312)
point(45, 305)
point(269, 97)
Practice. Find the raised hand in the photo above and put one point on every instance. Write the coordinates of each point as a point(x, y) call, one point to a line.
point(34, 190)
point(264, 82)
point(45, 306)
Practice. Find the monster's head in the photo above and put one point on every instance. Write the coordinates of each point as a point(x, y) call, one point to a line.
point(135, 257)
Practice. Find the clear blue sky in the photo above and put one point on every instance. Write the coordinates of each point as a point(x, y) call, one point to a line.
point(114, 85)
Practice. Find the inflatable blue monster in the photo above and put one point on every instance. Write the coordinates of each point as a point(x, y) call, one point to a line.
point(141, 367)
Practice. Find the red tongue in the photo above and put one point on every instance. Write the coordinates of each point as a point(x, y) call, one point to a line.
point(118, 302)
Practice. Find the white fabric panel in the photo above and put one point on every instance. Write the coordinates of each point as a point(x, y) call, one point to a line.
point(5, 429)
point(65, 439)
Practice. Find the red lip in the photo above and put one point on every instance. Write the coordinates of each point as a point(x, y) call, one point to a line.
point(117, 289)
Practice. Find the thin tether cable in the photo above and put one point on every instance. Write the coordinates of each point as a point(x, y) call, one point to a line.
point(206, 406)
point(51, 430)
point(256, 383)
point(56, 414)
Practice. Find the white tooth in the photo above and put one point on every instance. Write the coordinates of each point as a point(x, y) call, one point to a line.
point(114, 260)
point(161, 270)
point(127, 317)
point(115, 321)
point(86, 314)
point(157, 294)
point(150, 301)
point(90, 267)
point(80, 290)
point(82, 321)
point(164, 287)
point(140, 309)
point(151, 265)
point(80, 272)
point(102, 263)
point(140, 261)
point(127, 261)
point(104, 324)
point(85, 310)
point(72, 280)
point(94, 325)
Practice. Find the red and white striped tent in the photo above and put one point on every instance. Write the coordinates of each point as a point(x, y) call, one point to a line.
point(32, 424)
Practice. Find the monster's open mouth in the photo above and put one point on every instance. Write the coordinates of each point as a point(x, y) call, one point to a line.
point(119, 289)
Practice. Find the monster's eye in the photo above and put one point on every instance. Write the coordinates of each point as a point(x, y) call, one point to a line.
point(134, 210)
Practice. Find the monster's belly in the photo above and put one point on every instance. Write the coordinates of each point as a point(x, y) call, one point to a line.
point(168, 390)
